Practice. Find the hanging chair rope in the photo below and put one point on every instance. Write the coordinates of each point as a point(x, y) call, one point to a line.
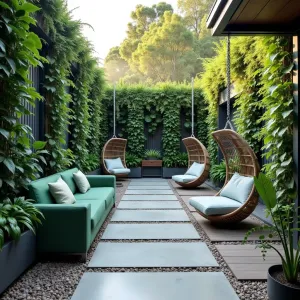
point(114, 134)
point(228, 61)
point(192, 108)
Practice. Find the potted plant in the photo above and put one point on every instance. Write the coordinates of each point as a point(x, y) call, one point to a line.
point(133, 162)
point(284, 279)
point(175, 165)
point(152, 154)
point(18, 220)
point(218, 174)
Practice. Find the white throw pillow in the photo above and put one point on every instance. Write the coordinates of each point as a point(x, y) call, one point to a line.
point(195, 169)
point(81, 182)
point(238, 188)
point(61, 192)
point(114, 163)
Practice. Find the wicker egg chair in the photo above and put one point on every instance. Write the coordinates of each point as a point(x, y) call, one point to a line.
point(114, 148)
point(240, 158)
point(196, 153)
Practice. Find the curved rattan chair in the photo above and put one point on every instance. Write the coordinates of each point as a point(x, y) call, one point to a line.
point(196, 153)
point(114, 148)
point(240, 158)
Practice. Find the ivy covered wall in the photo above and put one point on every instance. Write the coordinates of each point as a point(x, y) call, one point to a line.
point(261, 71)
point(157, 106)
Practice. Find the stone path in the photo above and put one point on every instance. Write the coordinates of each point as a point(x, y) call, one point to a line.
point(150, 229)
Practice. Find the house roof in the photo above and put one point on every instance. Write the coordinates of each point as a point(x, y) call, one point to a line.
point(254, 17)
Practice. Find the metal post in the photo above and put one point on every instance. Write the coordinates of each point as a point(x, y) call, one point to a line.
point(192, 107)
point(114, 135)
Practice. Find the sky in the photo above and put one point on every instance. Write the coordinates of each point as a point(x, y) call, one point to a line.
point(109, 19)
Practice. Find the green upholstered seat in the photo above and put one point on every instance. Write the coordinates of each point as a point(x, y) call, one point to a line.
point(71, 228)
point(214, 205)
point(183, 178)
point(97, 210)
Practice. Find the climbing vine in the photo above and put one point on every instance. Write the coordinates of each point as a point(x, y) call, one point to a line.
point(19, 52)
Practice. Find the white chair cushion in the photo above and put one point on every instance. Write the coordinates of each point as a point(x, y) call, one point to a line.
point(214, 205)
point(120, 171)
point(81, 182)
point(114, 163)
point(184, 178)
point(195, 169)
point(238, 188)
point(61, 192)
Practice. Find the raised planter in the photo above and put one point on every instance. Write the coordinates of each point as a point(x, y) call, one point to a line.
point(278, 290)
point(135, 172)
point(169, 172)
point(16, 257)
point(95, 172)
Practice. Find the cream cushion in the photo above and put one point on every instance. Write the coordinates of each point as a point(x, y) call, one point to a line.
point(61, 192)
point(81, 182)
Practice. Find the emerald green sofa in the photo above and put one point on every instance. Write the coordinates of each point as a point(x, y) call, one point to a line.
point(71, 228)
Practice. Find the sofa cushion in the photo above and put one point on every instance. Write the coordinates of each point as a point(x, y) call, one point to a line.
point(67, 176)
point(98, 193)
point(39, 189)
point(61, 192)
point(120, 171)
point(195, 169)
point(238, 188)
point(81, 182)
point(114, 163)
point(97, 210)
point(184, 178)
point(214, 205)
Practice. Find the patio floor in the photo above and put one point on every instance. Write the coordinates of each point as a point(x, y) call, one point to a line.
point(173, 269)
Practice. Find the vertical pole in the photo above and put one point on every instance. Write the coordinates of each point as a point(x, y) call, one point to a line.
point(114, 135)
point(192, 106)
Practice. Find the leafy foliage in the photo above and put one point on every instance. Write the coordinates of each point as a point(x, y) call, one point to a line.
point(152, 153)
point(133, 161)
point(19, 51)
point(283, 216)
point(264, 102)
point(92, 162)
point(180, 160)
point(17, 216)
point(218, 172)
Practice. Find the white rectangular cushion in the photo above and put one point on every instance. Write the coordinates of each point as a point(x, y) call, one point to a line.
point(184, 178)
point(214, 205)
point(195, 169)
point(238, 188)
point(120, 171)
point(114, 163)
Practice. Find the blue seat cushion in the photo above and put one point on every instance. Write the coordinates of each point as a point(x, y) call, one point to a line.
point(214, 205)
point(120, 171)
point(195, 169)
point(238, 188)
point(184, 178)
point(97, 210)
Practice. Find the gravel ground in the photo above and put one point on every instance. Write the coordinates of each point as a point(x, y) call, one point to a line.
point(54, 280)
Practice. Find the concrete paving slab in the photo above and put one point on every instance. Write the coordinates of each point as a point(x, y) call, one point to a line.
point(139, 255)
point(150, 216)
point(150, 232)
point(203, 191)
point(149, 192)
point(149, 205)
point(149, 183)
point(154, 286)
point(186, 201)
point(148, 187)
point(149, 198)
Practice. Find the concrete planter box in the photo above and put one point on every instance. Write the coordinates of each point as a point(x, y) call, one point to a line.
point(95, 172)
point(169, 172)
point(16, 257)
point(135, 172)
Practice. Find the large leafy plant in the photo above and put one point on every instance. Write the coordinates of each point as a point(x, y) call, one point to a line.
point(283, 216)
point(180, 160)
point(133, 161)
point(16, 217)
point(19, 52)
point(152, 153)
point(218, 172)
